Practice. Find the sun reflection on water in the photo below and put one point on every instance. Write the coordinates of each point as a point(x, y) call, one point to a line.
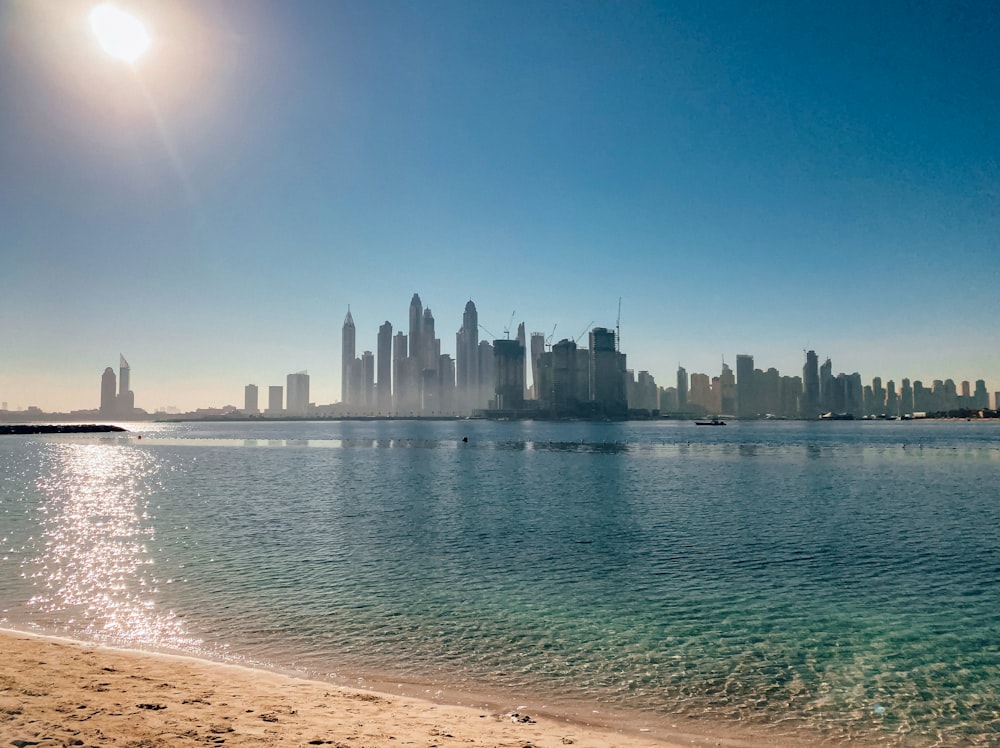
point(94, 570)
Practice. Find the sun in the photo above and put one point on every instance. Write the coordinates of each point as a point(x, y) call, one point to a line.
point(120, 34)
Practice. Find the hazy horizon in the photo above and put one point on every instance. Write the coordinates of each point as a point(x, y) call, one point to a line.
point(747, 180)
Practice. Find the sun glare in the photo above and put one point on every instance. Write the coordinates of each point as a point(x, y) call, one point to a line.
point(120, 35)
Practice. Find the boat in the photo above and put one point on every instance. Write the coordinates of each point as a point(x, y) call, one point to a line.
point(713, 422)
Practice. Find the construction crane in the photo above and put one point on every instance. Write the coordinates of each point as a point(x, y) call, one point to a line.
point(585, 331)
point(506, 330)
point(548, 340)
point(487, 331)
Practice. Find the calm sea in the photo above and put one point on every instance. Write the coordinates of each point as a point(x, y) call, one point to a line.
point(834, 579)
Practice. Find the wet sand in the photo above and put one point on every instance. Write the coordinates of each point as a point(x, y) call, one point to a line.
point(56, 692)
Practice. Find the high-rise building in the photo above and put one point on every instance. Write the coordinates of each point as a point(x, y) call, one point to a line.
point(607, 373)
point(400, 374)
point(537, 348)
point(250, 400)
point(126, 398)
point(487, 374)
point(275, 399)
point(109, 395)
point(700, 391)
point(368, 378)
point(746, 406)
point(980, 398)
point(727, 384)
point(297, 403)
point(347, 355)
point(905, 398)
point(523, 340)
point(384, 364)
point(810, 405)
point(853, 395)
point(467, 381)
point(509, 358)
point(791, 397)
point(878, 404)
point(682, 388)
point(124, 371)
point(891, 400)
point(416, 328)
point(827, 389)
point(429, 343)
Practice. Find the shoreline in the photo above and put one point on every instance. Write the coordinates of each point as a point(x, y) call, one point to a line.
point(56, 691)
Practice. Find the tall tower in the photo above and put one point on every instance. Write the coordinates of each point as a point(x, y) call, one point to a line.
point(297, 398)
point(535, 352)
point(746, 405)
point(416, 327)
point(384, 364)
point(109, 386)
point(400, 373)
point(123, 376)
point(827, 387)
point(126, 398)
point(428, 342)
point(250, 399)
point(347, 355)
point(523, 340)
point(606, 373)
point(810, 386)
point(682, 388)
point(467, 358)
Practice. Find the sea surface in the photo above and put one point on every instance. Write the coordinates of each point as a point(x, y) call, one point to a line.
point(837, 580)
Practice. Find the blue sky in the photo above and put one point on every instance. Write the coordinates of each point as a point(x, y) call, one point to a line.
point(747, 179)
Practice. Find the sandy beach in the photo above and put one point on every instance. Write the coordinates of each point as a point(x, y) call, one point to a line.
point(56, 692)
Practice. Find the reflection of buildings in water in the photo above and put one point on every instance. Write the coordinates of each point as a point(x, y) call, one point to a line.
point(93, 570)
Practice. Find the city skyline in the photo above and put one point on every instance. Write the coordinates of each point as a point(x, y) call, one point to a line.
point(553, 377)
point(746, 180)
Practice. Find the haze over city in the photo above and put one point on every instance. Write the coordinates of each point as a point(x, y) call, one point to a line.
point(757, 181)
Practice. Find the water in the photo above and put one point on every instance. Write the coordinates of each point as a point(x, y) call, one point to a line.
point(805, 579)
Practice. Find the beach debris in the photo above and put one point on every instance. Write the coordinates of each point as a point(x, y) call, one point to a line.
point(522, 718)
point(878, 710)
point(154, 707)
point(267, 717)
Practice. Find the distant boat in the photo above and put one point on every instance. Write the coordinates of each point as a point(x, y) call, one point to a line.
point(713, 422)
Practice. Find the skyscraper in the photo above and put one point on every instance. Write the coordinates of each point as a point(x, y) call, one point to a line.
point(109, 386)
point(827, 388)
point(347, 355)
point(275, 399)
point(250, 399)
point(810, 386)
point(607, 373)
point(123, 376)
point(467, 359)
point(368, 378)
point(536, 351)
point(401, 384)
point(297, 403)
point(746, 406)
point(682, 388)
point(384, 364)
point(126, 398)
point(523, 340)
point(509, 357)
point(416, 327)
point(727, 385)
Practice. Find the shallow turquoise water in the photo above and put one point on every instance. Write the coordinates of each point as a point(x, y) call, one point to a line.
point(830, 578)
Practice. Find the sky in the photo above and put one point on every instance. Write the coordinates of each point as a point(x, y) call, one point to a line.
point(756, 178)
